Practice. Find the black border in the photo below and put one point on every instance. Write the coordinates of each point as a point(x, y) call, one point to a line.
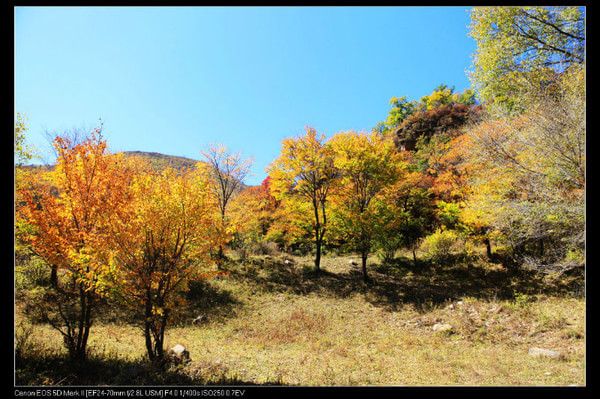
point(7, 212)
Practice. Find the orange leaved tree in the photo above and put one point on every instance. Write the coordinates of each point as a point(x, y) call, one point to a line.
point(161, 241)
point(69, 217)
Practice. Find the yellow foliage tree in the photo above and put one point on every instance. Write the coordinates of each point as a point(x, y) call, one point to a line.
point(367, 165)
point(161, 240)
point(305, 171)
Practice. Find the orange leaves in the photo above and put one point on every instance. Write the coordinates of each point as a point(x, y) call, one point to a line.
point(70, 212)
point(162, 236)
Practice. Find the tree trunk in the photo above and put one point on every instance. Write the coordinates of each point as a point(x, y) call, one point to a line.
point(488, 248)
point(318, 256)
point(54, 276)
point(77, 341)
point(148, 340)
point(220, 257)
point(318, 236)
point(148, 327)
point(86, 333)
point(364, 256)
point(414, 255)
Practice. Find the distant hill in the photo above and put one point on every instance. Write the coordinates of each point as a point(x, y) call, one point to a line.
point(157, 160)
point(161, 161)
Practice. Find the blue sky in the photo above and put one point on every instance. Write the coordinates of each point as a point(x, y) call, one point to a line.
point(174, 80)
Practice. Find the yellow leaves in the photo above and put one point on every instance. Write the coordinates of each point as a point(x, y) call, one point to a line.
point(164, 232)
point(158, 311)
point(305, 167)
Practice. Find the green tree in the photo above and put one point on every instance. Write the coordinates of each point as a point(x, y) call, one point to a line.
point(519, 48)
point(23, 152)
point(401, 109)
point(368, 164)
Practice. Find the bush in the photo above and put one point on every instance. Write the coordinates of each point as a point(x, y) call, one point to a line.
point(23, 339)
point(442, 246)
point(265, 248)
point(575, 256)
point(32, 273)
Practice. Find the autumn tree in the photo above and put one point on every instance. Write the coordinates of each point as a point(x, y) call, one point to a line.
point(534, 171)
point(160, 242)
point(227, 172)
point(425, 124)
point(402, 108)
point(252, 214)
point(23, 176)
point(445, 95)
point(70, 218)
point(522, 48)
point(409, 210)
point(305, 171)
point(367, 164)
point(23, 152)
point(292, 226)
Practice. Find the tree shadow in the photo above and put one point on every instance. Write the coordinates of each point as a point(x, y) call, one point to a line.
point(401, 282)
point(210, 301)
point(58, 370)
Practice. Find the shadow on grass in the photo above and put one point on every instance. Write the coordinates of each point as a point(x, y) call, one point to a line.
point(400, 282)
point(58, 370)
point(210, 300)
point(203, 299)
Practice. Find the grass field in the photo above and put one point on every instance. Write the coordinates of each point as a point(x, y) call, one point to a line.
point(271, 323)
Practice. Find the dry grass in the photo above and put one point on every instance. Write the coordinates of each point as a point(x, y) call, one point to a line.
point(291, 328)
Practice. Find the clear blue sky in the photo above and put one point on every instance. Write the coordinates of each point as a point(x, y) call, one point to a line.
point(173, 80)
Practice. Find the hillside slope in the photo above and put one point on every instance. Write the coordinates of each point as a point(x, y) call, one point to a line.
point(161, 161)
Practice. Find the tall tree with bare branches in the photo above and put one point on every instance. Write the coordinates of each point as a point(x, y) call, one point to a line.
point(226, 171)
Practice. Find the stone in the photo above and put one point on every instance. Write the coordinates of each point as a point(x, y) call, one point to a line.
point(442, 327)
point(541, 352)
point(288, 262)
point(179, 354)
point(199, 320)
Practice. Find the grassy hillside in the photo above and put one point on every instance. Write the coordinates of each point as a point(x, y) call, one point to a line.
point(272, 323)
point(157, 160)
point(161, 161)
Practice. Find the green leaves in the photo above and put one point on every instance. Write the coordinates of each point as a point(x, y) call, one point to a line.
point(520, 48)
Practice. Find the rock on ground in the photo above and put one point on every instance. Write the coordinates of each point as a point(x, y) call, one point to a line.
point(179, 354)
point(541, 352)
point(442, 327)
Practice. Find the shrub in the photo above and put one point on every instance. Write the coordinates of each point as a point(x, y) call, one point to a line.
point(442, 245)
point(23, 339)
point(576, 256)
point(32, 273)
point(265, 248)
